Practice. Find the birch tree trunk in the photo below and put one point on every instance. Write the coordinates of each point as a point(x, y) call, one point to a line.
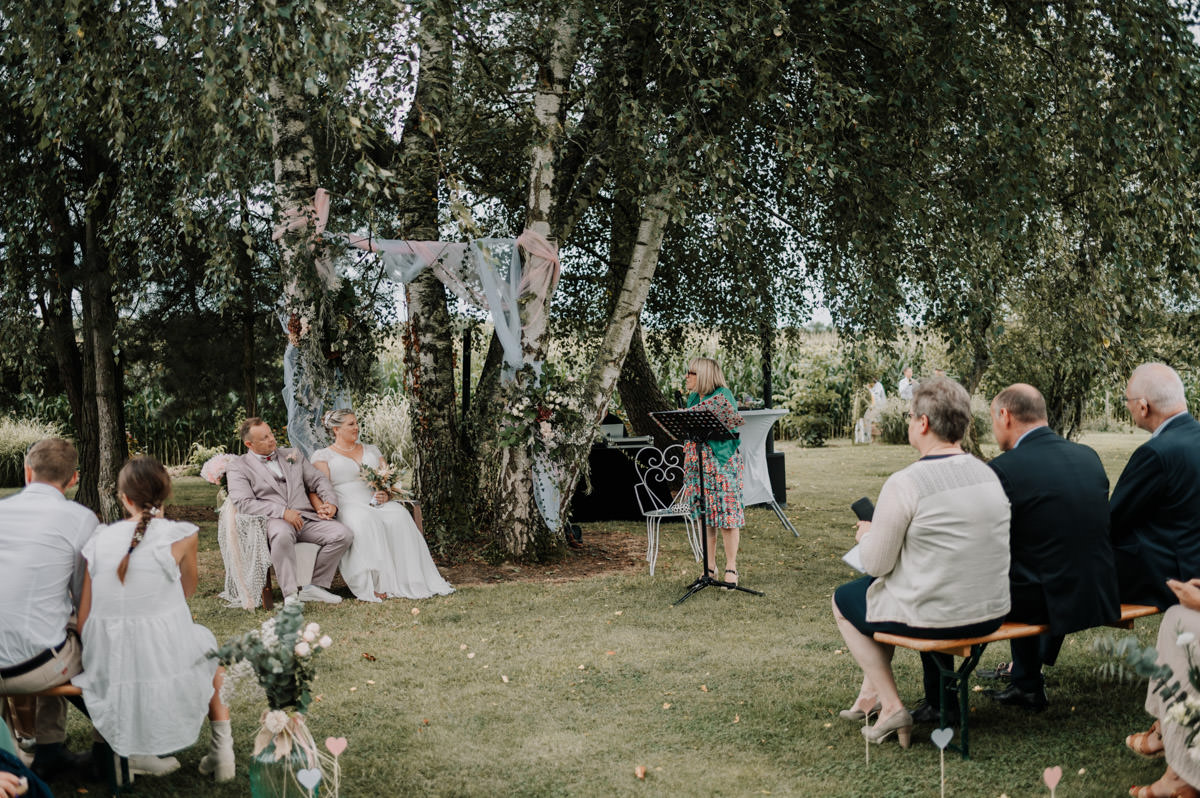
point(508, 476)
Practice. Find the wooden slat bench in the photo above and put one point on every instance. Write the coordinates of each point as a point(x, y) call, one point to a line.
point(118, 777)
point(971, 649)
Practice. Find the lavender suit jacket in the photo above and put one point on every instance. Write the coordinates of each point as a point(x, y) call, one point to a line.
point(255, 490)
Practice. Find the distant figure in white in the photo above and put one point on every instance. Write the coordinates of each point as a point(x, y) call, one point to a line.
point(905, 388)
point(389, 558)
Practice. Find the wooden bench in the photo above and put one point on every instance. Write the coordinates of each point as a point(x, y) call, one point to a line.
point(971, 649)
point(118, 776)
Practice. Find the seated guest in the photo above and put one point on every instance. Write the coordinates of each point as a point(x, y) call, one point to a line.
point(937, 555)
point(42, 535)
point(388, 558)
point(147, 680)
point(276, 483)
point(1062, 570)
point(1155, 507)
point(1167, 738)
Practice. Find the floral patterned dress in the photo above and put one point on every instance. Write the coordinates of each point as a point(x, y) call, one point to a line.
point(724, 469)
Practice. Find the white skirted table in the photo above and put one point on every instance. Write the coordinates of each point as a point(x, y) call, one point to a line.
point(756, 487)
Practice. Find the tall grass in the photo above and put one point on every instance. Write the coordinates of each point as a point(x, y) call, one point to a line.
point(16, 436)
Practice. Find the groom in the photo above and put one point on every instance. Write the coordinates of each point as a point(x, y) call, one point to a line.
point(275, 483)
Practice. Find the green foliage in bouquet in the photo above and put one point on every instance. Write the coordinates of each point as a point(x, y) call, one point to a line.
point(281, 654)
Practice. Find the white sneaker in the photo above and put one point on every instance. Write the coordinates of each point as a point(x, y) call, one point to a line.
point(152, 765)
point(316, 593)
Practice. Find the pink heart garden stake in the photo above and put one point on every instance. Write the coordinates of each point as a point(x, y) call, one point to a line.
point(1052, 776)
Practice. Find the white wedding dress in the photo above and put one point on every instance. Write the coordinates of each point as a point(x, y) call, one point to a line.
point(389, 554)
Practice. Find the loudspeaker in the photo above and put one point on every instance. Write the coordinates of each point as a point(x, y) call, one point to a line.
point(778, 478)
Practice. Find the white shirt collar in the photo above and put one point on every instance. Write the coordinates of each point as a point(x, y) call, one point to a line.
point(45, 490)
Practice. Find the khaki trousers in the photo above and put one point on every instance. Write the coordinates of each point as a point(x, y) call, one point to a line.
point(51, 724)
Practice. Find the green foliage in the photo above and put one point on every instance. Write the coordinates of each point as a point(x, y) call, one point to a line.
point(281, 655)
point(814, 399)
point(16, 436)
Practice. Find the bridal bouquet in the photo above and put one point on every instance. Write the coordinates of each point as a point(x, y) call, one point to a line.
point(383, 479)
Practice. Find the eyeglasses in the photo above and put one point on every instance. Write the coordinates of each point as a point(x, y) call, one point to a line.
point(691, 374)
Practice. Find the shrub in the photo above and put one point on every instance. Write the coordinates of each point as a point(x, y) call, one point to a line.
point(385, 422)
point(16, 436)
point(893, 421)
point(814, 400)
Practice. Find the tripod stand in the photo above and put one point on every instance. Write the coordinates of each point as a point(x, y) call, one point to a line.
point(699, 426)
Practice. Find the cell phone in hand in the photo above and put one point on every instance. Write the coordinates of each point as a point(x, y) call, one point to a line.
point(864, 509)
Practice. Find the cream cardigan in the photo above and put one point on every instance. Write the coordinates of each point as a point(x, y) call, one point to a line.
point(939, 545)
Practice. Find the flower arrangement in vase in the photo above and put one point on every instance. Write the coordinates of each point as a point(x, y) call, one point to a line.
point(281, 655)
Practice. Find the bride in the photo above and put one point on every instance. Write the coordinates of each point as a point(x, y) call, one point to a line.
point(388, 558)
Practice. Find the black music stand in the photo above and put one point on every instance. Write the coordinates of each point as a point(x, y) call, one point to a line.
point(699, 425)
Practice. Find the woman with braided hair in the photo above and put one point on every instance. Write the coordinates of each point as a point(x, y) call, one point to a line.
point(148, 682)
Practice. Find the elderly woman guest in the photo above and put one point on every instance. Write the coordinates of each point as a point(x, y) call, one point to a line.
point(936, 554)
point(723, 471)
point(1167, 737)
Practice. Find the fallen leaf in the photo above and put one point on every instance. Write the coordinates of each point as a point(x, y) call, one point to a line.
point(737, 718)
point(581, 667)
point(1082, 771)
point(354, 689)
point(704, 688)
point(504, 678)
point(471, 655)
point(640, 771)
point(619, 612)
point(828, 725)
point(425, 721)
point(610, 653)
point(368, 657)
point(666, 705)
point(463, 647)
point(416, 610)
point(370, 681)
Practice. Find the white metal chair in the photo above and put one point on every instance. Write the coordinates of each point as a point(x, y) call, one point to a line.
point(660, 473)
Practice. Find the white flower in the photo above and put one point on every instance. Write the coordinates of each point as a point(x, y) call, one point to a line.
point(269, 638)
point(1184, 639)
point(1178, 714)
point(275, 721)
point(303, 649)
point(326, 641)
point(314, 628)
point(308, 636)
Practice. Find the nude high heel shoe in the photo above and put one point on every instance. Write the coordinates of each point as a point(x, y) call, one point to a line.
point(899, 722)
point(858, 714)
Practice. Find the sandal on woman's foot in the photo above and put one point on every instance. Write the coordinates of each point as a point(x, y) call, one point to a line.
point(730, 581)
point(1142, 743)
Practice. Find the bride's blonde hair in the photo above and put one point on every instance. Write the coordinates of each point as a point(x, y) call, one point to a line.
point(336, 418)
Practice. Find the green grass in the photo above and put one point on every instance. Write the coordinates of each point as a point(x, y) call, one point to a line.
point(727, 694)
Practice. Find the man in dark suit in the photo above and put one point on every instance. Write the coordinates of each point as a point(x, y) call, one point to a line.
point(1062, 571)
point(1156, 505)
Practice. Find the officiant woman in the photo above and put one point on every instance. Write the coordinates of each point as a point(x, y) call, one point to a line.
point(937, 556)
point(723, 471)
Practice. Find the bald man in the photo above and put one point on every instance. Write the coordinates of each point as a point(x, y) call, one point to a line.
point(1062, 571)
point(1155, 508)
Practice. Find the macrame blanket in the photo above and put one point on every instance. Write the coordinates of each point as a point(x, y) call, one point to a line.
point(243, 540)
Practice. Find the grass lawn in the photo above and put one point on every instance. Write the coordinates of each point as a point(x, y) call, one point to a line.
point(562, 689)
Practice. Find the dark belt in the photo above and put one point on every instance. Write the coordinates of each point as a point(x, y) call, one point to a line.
point(21, 668)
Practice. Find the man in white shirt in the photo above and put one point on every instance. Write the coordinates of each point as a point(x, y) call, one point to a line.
point(41, 574)
point(906, 385)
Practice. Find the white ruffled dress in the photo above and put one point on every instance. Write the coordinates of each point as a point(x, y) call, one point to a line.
point(146, 679)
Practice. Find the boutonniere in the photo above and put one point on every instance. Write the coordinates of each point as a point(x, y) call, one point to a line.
point(291, 458)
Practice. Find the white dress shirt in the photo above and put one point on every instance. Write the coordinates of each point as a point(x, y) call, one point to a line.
point(271, 461)
point(41, 569)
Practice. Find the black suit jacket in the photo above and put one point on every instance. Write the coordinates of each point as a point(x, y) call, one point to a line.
point(1156, 514)
point(1062, 562)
